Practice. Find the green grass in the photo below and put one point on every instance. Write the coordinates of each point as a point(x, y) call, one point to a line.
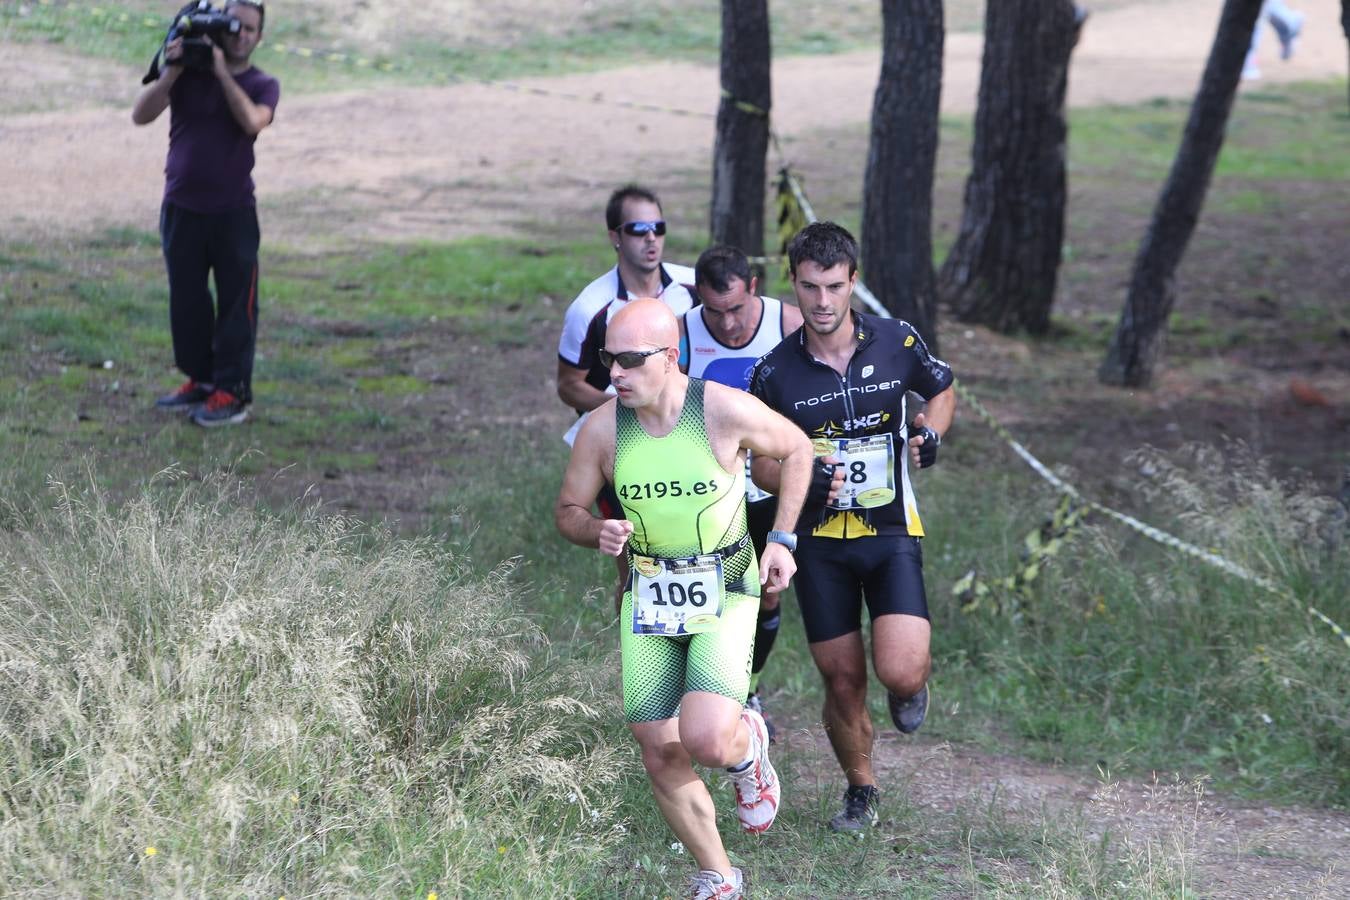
point(1282, 140)
point(334, 324)
point(204, 697)
point(1141, 658)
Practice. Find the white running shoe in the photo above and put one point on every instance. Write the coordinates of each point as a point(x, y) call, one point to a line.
point(710, 885)
point(757, 789)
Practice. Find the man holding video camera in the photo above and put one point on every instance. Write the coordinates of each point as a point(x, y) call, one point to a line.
point(218, 104)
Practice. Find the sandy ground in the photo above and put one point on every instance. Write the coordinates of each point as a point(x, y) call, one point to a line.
point(445, 162)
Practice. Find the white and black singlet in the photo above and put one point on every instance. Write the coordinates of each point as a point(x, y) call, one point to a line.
point(712, 360)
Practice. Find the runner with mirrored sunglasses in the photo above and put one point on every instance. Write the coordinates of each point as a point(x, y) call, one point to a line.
point(636, 230)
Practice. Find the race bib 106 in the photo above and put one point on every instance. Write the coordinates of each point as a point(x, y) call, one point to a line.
point(677, 596)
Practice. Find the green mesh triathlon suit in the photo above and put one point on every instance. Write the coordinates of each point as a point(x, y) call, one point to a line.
point(683, 503)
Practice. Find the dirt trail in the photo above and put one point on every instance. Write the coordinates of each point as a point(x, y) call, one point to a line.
point(1232, 850)
point(445, 162)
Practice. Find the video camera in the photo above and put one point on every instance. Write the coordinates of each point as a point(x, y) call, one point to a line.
point(201, 26)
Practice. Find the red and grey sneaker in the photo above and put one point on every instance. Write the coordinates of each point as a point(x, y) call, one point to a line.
point(757, 789)
point(189, 395)
point(221, 408)
point(710, 885)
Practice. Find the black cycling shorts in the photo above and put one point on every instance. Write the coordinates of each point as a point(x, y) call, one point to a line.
point(834, 576)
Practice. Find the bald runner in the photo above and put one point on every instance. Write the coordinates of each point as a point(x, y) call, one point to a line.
point(673, 449)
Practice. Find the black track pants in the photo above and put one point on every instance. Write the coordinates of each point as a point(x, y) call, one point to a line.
point(213, 340)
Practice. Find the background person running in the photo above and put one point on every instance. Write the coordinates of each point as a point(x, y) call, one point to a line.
point(842, 378)
point(637, 231)
point(209, 220)
point(1287, 25)
point(727, 332)
point(675, 448)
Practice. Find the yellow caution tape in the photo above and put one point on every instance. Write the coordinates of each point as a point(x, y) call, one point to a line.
point(793, 212)
point(744, 106)
point(1149, 531)
point(1040, 546)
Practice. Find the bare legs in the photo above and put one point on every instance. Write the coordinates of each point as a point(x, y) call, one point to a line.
point(708, 731)
point(901, 657)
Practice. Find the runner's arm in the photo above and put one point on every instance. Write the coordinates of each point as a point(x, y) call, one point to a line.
point(776, 439)
point(574, 391)
point(784, 444)
point(582, 481)
point(940, 412)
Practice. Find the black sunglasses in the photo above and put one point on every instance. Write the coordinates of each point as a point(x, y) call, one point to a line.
point(638, 229)
point(628, 359)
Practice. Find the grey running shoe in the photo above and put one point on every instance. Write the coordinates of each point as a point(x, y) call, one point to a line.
point(710, 885)
point(221, 408)
point(909, 714)
point(189, 395)
point(757, 704)
point(859, 812)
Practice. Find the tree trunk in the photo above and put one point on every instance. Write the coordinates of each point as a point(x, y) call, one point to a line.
point(897, 243)
point(742, 127)
point(1345, 30)
point(1002, 270)
point(1140, 335)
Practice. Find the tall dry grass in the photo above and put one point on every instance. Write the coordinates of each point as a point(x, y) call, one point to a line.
point(198, 699)
point(1140, 655)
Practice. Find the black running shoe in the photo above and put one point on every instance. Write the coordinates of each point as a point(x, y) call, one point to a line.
point(909, 714)
point(859, 812)
point(189, 396)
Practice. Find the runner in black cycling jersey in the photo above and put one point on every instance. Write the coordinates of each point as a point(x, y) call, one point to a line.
point(842, 378)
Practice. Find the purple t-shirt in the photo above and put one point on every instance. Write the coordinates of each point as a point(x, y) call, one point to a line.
point(210, 167)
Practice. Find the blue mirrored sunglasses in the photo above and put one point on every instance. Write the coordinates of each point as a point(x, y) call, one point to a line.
point(638, 229)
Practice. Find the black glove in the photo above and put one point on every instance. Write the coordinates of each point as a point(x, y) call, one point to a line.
point(928, 449)
point(818, 492)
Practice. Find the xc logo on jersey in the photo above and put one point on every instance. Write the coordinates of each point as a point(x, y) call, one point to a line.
point(871, 421)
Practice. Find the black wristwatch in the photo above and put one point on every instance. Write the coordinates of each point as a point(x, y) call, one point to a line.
point(786, 538)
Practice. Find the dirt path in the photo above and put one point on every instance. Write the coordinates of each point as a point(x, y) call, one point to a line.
point(1230, 849)
point(444, 162)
